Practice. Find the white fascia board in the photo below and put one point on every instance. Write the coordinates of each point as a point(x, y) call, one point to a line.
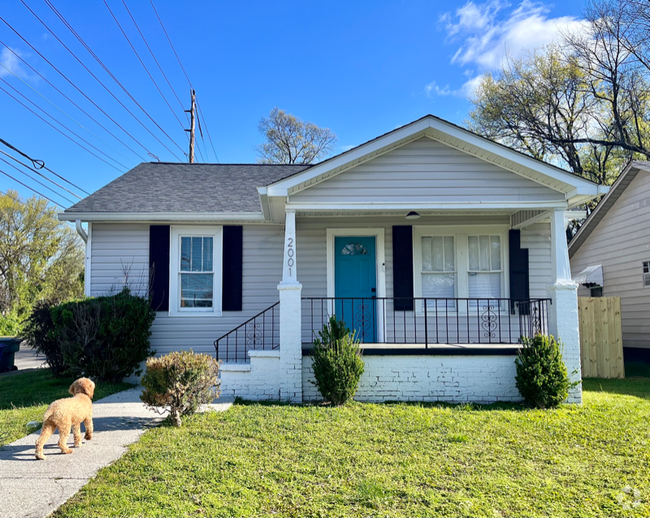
point(160, 216)
point(409, 206)
point(264, 202)
point(282, 187)
point(583, 186)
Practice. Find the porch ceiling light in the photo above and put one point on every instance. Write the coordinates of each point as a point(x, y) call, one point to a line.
point(412, 215)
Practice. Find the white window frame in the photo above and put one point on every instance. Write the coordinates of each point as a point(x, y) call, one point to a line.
point(460, 234)
point(177, 232)
point(645, 277)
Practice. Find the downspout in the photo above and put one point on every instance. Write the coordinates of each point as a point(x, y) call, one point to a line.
point(81, 231)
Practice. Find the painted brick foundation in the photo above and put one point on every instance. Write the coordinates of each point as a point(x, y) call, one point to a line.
point(257, 380)
point(455, 379)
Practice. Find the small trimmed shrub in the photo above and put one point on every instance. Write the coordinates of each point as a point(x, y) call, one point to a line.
point(105, 338)
point(179, 383)
point(39, 331)
point(337, 363)
point(542, 377)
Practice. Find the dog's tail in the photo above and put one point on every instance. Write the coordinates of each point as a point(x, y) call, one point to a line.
point(48, 412)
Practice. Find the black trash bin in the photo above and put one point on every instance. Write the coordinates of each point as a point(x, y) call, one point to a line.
point(9, 346)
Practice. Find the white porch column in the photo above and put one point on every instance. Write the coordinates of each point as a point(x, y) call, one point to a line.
point(563, 312)
point(290, 318)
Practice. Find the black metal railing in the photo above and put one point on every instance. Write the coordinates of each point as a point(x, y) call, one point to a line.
point(425, 321)
point(261, 332)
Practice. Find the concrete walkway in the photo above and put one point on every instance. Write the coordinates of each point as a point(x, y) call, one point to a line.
point(28, 358)
point(31, 488)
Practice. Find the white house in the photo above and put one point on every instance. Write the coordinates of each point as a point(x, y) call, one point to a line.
point(610, 254)
point(439, 247)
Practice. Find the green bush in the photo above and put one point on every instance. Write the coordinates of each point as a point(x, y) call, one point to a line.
point(542, 377)
point(39, 331)
point(179, 383)
point(105, 338)
point(337, 363)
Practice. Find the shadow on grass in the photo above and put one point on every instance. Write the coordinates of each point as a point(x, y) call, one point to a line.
point(638, 387)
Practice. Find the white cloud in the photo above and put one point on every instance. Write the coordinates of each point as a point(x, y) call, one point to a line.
point(489, 32)
point(11, 63)
point(433, 89)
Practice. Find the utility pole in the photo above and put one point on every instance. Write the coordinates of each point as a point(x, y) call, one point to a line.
point(191, 130)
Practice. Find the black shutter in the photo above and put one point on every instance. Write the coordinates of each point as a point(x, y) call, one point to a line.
point(159, 267)
point(403, 267)
point(233, 267)
point(519, 273)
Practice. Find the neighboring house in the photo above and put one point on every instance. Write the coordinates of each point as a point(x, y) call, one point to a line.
point(610, 254)
point(438, 247)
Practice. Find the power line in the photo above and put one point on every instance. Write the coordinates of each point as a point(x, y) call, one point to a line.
point(64, 113)
point(100, 82)
point(170, 43)
point(35, 180)
point(72, 102)
point(207, 130)
point(142, 62)
point(77, 88)
point(57, 129)
point(31, 189)
point(106, 69)
point(59, 122)
point(41, 174)
point(40, 164)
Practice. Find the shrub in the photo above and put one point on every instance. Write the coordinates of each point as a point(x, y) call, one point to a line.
point(542, 377)
point(337, 363)
point(106, 338)
point(179, 383)
point(39, 331)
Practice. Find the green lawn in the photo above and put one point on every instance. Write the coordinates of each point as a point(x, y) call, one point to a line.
point(25, 397)
point(390, 460)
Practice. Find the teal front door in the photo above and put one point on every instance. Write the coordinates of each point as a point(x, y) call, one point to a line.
point(356, 285)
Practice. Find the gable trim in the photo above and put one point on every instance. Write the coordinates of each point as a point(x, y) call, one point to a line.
point(448, 134)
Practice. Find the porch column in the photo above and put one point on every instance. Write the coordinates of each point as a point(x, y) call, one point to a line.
point(290, 318)
point(563, 312)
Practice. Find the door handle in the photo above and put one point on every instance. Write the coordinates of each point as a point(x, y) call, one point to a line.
point(373, 290)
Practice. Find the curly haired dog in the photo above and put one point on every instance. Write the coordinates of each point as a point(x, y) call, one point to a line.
point(66, 413)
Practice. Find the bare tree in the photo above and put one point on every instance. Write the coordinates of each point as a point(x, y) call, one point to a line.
point(292, 141)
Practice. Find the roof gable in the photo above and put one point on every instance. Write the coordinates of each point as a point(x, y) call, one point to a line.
point(576, 189)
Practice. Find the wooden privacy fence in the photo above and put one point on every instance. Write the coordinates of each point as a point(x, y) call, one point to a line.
point(601, 337)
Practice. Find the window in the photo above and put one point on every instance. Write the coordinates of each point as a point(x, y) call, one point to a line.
point(438, 267)
point(596, 291)
point(484, 253)
point(195, 270)
point(646, 274)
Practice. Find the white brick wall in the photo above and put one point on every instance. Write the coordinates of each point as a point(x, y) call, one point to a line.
point(258, 380)
point(455, 379)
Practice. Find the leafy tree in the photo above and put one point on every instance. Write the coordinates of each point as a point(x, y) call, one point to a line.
point(292, 141)
point(582, 103)
point(41, 258)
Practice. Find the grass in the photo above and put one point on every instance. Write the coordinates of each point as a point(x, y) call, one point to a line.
point(390, 460)
point(25, 397)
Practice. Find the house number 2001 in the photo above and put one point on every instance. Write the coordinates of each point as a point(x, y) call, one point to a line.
point(290, 253)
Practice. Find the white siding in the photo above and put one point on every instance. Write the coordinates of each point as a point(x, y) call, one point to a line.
point(427, 171)
point(117, 244)
point(537, 238)
point(621, 242)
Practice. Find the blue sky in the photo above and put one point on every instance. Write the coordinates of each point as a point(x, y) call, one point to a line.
point(359, 68)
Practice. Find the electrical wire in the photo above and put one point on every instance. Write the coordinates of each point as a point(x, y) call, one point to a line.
point(64, 113)
point(31, 189)
point(60, 123)
point(72, 102)
point(40, 164)
point(100, 82)
point(41, 174)
point(142, 63)
point(106, 69)
point(36, 180)
point(57, 129)
point(76, 88)
point(207, 130)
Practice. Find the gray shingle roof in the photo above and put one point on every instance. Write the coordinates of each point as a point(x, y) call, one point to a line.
point(194, 188)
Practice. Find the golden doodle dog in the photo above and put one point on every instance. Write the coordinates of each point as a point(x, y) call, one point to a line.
point(66, 413)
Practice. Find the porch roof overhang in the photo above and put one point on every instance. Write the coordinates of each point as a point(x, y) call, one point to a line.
point(576, 190)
